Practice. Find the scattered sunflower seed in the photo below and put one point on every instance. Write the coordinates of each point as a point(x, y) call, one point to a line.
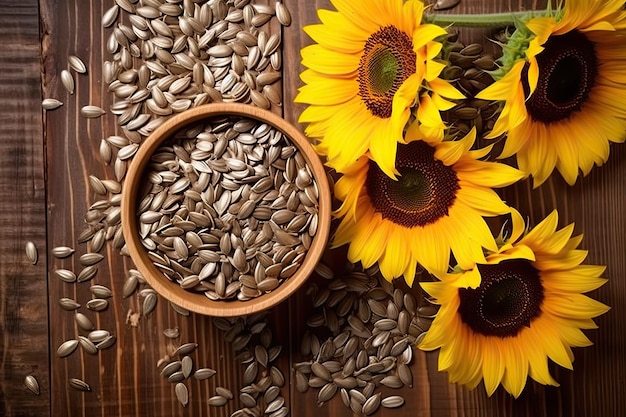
point(68, 81)
point(79, 384)
point(61, 252)
point(31, 252)
point(182, 393)
point(66, 348)
point(91, 112)
point(31, 383)
point(51, 103)
point(77, 64)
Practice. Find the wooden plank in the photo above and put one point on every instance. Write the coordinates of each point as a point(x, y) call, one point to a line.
point(595, 204)
point(125, 379)
point(23, 297)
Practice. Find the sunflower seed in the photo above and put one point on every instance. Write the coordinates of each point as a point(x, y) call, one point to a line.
point(130, 285)
point(65, 275)
point(51, 103)
point(68, 81)
point(91, 112)
point(68, 304)
point(180, 310)
point(327, 392)
point(224, 392)
point(90, 258)
point(106, 343)
point(31, 252)
point(176, 377)
point(97, 304)
point(171, 368)
point(372, 404)
point(83, 322)
point(203, 373)
point(282, 13)
point(98, 336)
point(87, 345)
point(182, 394)
point(66, 348)
point(185, 349)
point(274, 405)
point(149, 303)
point(187, 366)
point(247, 400)
point(32, 384)
point(217, 401)
point(277, 377)
point(271, 394)
point(110, 16)
point(77, 64)
point(393, 401)
point(171, 333)
point(79, 384)
point(87, 273)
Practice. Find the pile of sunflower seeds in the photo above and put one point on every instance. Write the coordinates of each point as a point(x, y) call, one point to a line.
point(469, 72)
point(231, 209)
point(361, 336)
point(178, 366)
point(252, 341)
point(168, 57)
point(91, 339)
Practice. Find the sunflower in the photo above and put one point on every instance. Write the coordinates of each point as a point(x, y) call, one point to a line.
point(501, 320)
point(372, 61)
point(436, 205)
point(564, 88)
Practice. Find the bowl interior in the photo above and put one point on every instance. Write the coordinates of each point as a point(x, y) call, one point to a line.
point(135, 177)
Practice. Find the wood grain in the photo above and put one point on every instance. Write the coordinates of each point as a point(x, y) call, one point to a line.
point(23, 297)
point(125, 379)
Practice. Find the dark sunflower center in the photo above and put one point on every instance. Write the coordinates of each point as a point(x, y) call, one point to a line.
point(508, 298)
point(568, 67)
point(388, 60)
point(423, 193)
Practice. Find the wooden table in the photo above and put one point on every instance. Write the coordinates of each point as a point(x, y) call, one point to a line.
point(46, 158)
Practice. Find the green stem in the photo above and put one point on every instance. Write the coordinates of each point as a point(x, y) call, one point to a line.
point(482, 20)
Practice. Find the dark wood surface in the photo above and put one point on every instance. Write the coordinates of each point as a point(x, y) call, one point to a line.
point(45, 160)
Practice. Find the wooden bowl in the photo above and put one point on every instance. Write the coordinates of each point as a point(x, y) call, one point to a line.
point(198, 302)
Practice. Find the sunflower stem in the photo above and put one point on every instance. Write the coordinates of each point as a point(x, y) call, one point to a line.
point(485, 20)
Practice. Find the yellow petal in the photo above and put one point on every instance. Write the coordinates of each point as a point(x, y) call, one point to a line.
point(542, 231)
point(577, 306)
point(329, 62)
point(501, 89)
point(542, 27)
point(537, 358)
point(432, 252)
point(425, 34)
point(445, 89)
point(488, 174)
point(493, 366)
point(326, 91)
point(396, 257)
point(363, 14)
point(383, 148)
point(348, 136)
point(449, 152)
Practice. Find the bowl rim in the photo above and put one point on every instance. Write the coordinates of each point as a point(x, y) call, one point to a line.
point(198, 302)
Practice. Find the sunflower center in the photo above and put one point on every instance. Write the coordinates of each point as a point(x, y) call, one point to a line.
point(508, 298)
point(568, 67)
point(388, 60)
point(423, 193)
